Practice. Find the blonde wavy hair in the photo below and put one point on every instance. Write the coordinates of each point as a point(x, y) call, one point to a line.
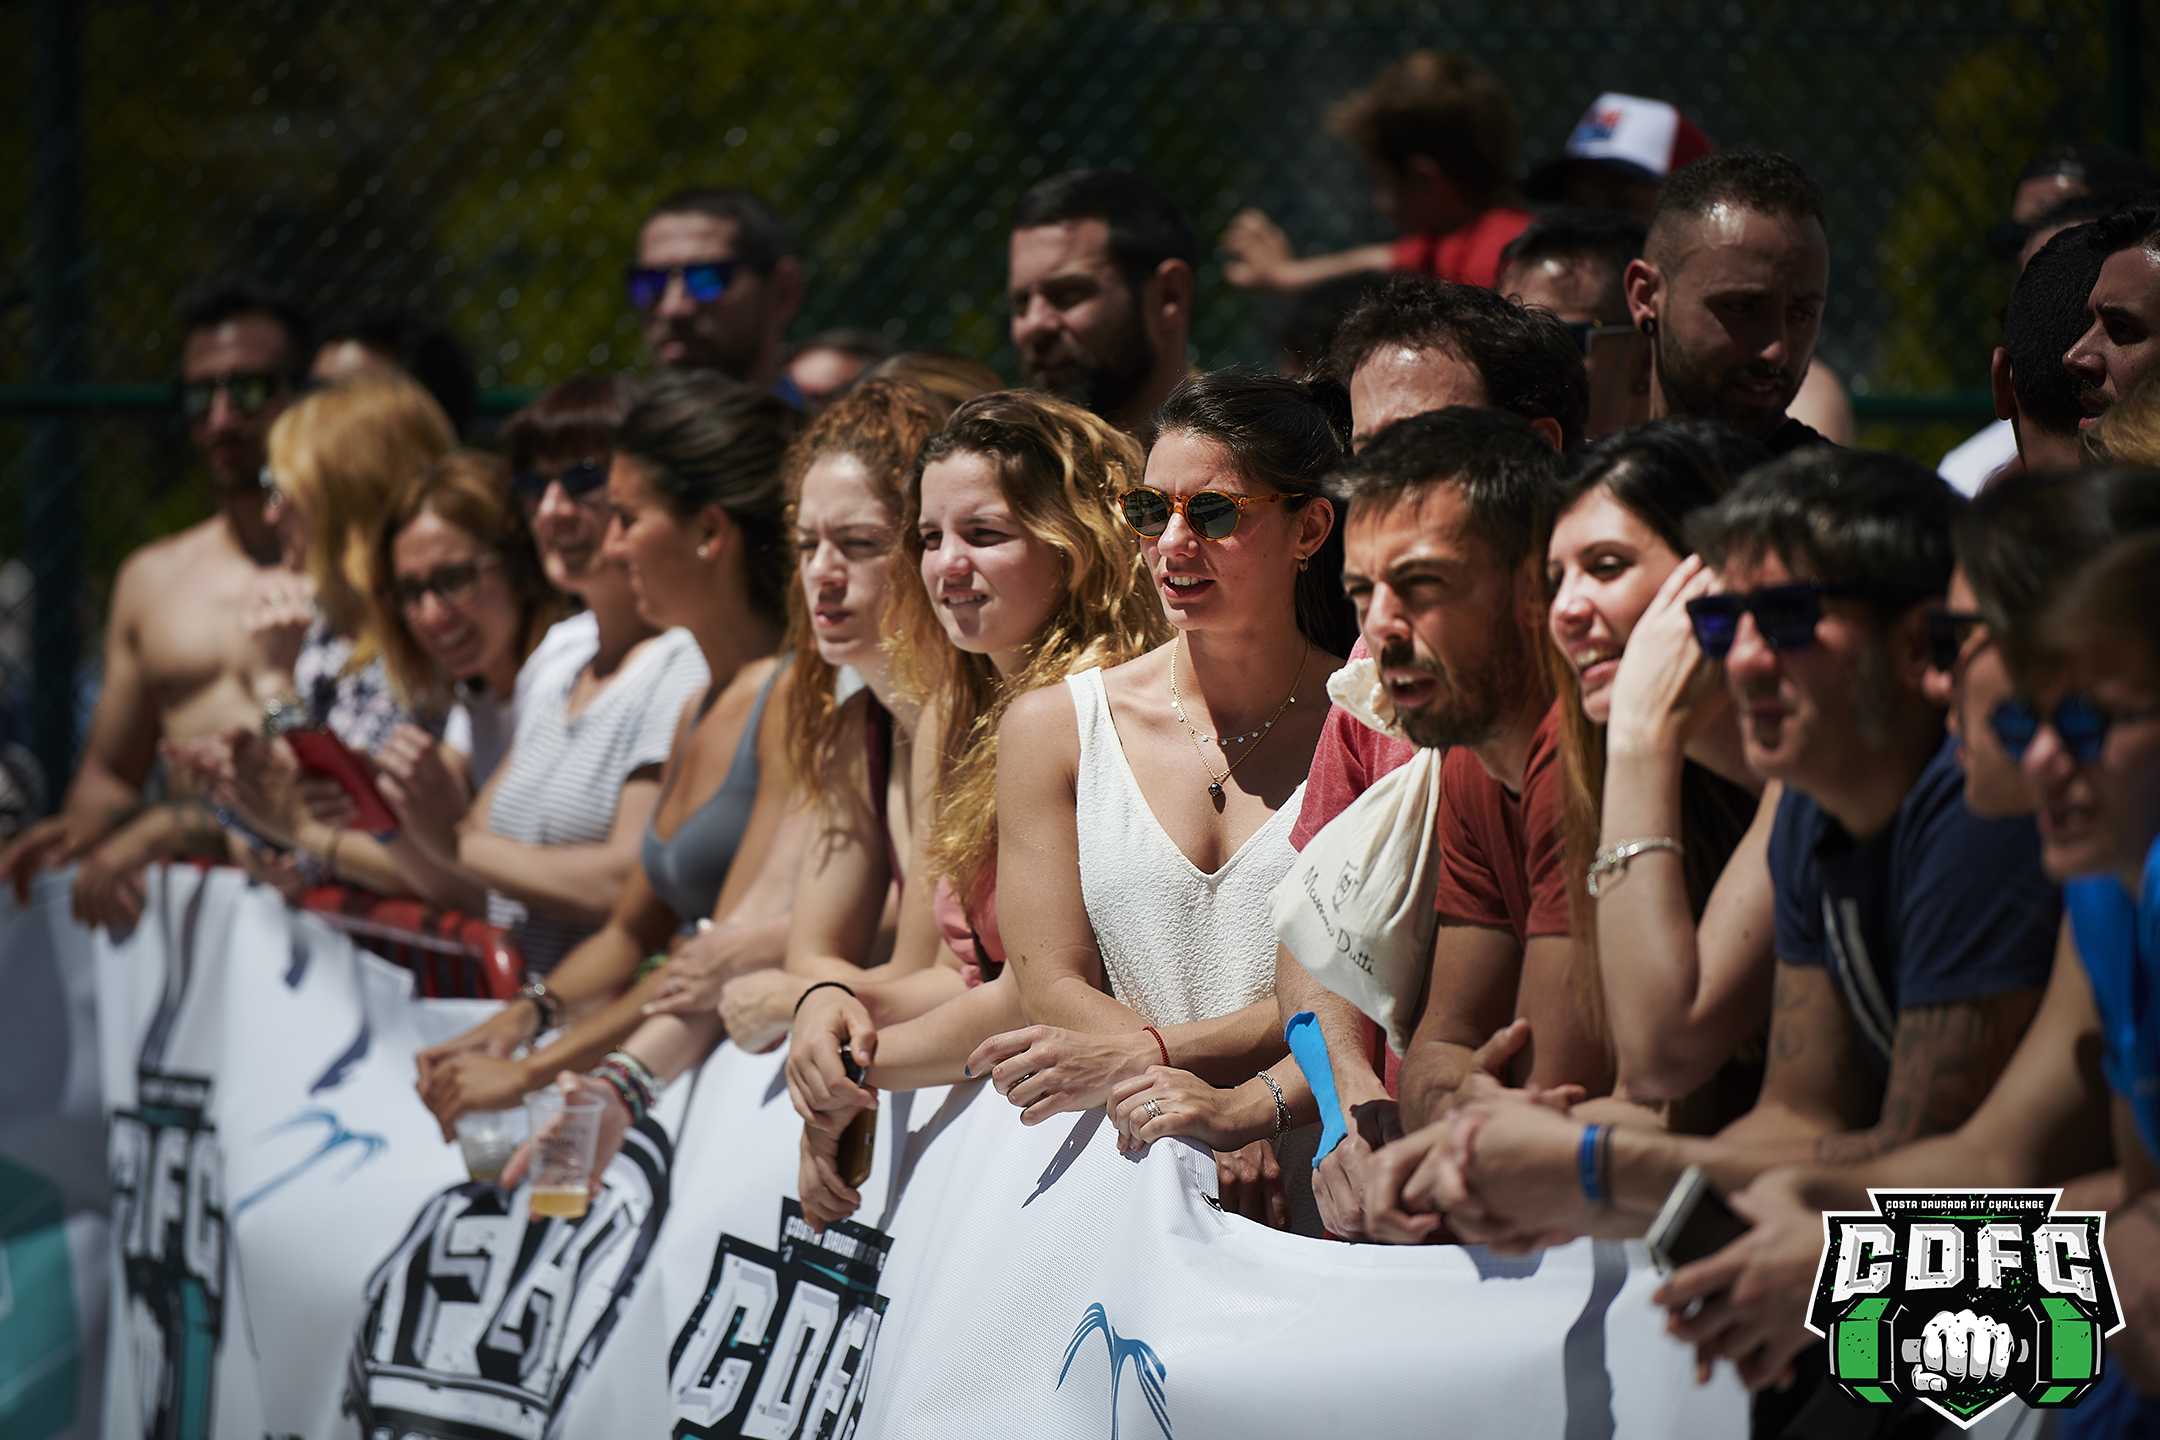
point(2129, 433)
point(1061, 469)
point(883, 424)
point(342, 454)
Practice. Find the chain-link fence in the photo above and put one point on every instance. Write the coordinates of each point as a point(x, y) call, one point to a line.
point(487, 161)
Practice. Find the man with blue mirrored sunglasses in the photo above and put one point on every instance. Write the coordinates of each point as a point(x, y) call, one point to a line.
point(716, 284)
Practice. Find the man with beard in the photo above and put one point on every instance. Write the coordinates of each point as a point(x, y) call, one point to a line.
point(179, 657)
point(1913, 938)
point(1440, 562)
point(2122, 336)
point(1100, 278)
point(1730, 291)
point(717, 282)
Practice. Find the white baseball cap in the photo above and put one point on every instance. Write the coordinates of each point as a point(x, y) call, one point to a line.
point(1650, 137)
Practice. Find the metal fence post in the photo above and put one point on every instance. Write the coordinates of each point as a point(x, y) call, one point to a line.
point(60, 307)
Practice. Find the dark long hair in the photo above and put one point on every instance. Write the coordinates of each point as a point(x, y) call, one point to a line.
point(1289, 435)
point(1662, 472)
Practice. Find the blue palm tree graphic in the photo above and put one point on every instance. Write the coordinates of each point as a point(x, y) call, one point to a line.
point(335, 1137)
point(1146, 1364)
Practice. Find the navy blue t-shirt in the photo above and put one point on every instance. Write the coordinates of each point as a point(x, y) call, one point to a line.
point(1938, 908)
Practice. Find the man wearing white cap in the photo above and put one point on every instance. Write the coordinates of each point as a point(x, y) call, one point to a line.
point(1618, 155)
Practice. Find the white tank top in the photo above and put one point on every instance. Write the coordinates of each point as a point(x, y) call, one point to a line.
point(1178, 944)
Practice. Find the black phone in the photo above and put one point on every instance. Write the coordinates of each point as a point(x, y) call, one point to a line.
point(1694, 1223)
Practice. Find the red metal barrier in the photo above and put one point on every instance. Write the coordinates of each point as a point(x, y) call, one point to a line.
point(451, 956)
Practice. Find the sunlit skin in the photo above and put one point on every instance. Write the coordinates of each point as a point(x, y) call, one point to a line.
point(1737, 297)
point(658, 547)
point(821, 372)
point(991, 583)
point(570, 533)
point(2122, 342)
point(2099, 818)
point(843, 544)
point(1396, 382)
point(343, 359)
point(1432, 605)
point(1968, 692)
point(230, 442)
point(1209, 584)
point(1604, 567)
point(474, 635)
point(1617, 366)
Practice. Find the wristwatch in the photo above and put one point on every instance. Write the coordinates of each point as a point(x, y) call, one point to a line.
point(544, 1003)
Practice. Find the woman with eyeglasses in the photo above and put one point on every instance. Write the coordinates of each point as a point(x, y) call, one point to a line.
point(1025, 574)
point(337, 459)
point(590, 713)
point(1664, 825)
point(694, 490)
point(1145, 808)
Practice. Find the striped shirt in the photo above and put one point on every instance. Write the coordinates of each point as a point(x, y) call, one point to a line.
point(563, 777)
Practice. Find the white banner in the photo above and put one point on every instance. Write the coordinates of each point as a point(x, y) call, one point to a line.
point(297, 1253)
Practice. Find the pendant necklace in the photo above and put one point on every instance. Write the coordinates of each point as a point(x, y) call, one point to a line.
point(1250, 739)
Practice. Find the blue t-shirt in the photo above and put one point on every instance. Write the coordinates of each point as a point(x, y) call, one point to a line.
point(2118, 938)
point(1939, 907)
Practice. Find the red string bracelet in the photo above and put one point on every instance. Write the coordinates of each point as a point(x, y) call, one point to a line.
point(1159, 1044)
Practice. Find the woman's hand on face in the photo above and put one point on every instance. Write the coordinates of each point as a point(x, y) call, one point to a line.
point(758, 1008)
point(1666, 689)
point(830, 1021)
point(423, 790)
point(1046, 1070)
point(1163, 1101)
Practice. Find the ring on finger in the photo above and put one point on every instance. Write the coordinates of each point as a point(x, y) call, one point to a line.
point(1153, 1108)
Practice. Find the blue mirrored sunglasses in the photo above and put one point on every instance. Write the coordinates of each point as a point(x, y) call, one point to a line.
point(2079, 721)
point(706, 281)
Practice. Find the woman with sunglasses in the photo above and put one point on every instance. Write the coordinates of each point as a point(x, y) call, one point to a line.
point(1145, 809)
point(554, 834)
point(1662, 820)
point(1026, 575)
point(694, 489)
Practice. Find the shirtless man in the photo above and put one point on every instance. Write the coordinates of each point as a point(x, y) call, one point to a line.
point(180, 660)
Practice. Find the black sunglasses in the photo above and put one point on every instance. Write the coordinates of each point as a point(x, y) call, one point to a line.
point(706, 281)
point(577, 481)
point(1946, 632)
point(2080, 722)
point(1785, 614)
point(453, 583)
point(250, 392)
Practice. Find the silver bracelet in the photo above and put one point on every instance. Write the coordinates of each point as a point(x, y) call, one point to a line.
point(1282, 1106)
point(1612, 862)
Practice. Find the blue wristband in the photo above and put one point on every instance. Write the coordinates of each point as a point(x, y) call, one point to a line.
point(1586, 1164)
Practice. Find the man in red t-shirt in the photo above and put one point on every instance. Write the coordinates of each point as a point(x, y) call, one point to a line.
point(1410, 348)
point(1439, 138)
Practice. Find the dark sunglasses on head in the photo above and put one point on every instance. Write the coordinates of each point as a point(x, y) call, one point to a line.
point(1588, 332)
point(250, 392)
point(577, 481)
point(1212, 514)
point(454, 583)
point(1785, 614)
point(706, 281)
point(2079, 721)
point(1946, 632)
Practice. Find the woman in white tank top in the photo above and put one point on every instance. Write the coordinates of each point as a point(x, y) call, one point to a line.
point(1144, 811)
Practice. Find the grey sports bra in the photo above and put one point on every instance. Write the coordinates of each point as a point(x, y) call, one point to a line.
point(688, 868)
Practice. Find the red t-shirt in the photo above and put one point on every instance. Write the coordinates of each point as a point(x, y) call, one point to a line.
point(1503, 863)
point(1469, 255)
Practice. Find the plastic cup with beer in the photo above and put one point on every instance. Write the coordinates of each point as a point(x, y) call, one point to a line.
point(565, 1133)
point(488, 1138)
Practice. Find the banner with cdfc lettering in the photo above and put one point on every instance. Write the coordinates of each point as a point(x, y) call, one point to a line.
point(297, 1253)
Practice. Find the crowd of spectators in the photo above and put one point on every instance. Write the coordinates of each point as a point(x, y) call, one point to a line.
point(834, 693)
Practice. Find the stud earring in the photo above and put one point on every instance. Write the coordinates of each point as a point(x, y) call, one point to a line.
point(704, 550)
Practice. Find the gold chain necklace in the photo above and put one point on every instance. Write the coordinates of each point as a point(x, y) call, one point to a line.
point(1177, 706)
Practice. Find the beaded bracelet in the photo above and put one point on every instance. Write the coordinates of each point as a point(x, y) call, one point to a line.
point(624, 1089)
point(632, 1081)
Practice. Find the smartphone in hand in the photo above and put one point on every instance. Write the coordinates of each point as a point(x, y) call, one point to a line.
point(322, 753)
point(1694, 1224)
